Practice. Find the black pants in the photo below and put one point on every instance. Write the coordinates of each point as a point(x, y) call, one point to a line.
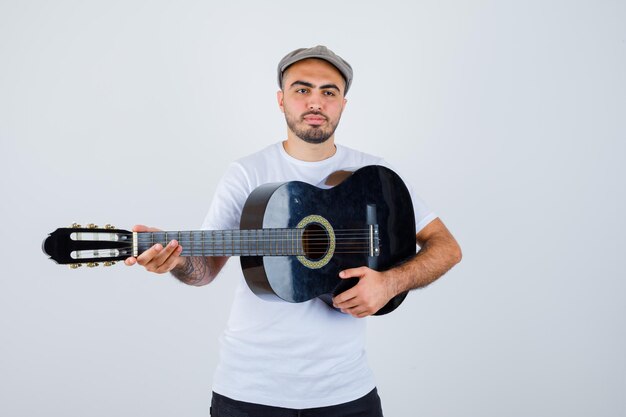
point(367, 406)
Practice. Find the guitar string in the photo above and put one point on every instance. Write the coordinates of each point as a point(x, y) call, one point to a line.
point(260, 242)
point(242, 237)
point(264, 243)
point(285, 229)
point(237, 252)
point(270, 233)
point(229, 239)
point(235, 231)
point(228, 242)
point(261, 235)
point(223, 247)
point(272, 239)
point(215, 237)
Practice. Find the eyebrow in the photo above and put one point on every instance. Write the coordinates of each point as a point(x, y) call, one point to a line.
point(322, 87)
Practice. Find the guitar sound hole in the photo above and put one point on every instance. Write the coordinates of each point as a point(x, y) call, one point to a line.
point(315, 241)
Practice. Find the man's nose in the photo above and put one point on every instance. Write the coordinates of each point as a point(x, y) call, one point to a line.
point(314, 102)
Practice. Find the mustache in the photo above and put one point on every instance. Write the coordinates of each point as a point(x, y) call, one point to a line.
point(316, 113)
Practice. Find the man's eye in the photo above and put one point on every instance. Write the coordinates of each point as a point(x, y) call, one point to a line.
point(329, 93)
point(302, 90)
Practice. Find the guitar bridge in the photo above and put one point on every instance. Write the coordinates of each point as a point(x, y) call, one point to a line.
point(374, 242)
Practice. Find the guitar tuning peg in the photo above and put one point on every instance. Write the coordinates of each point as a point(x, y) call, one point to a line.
point(108, 263)
point(92, 264)
point(108, 226)
point(75, 266)
point(92, 226)
point(75, 226)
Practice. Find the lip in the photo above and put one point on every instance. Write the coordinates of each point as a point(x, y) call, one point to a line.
point(314, 119)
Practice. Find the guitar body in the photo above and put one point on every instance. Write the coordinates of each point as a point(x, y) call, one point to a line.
point(340, 217)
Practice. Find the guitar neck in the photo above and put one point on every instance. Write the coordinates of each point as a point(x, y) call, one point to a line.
point(260, 242)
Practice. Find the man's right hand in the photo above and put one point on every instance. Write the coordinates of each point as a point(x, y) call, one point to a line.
point(158, 259)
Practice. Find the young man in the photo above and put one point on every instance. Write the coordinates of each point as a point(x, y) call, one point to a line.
point(280, 358)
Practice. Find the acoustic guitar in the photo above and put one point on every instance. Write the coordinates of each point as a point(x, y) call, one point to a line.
point(293, 241)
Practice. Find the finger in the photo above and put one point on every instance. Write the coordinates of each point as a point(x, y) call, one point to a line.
point(353, 272)
point(143, 228)
point(351, 305)
point(147, 256)
point(163, 255)
point(140, 228)
point(171, 261)
point(362, 314)
point(130, 261)
point(158, 257)
point(345, 297)
point(356, 312)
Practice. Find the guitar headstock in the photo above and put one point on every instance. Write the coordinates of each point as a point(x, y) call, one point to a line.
point(90, 245)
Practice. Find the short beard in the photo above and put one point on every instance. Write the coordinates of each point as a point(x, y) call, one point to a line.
point(312, 134)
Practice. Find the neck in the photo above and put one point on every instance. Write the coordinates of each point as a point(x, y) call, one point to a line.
point(309, 152)
point(260, 242)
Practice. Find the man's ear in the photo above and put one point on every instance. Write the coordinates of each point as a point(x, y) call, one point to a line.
point(279, 98)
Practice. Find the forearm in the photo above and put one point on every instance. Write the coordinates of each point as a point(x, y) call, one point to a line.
point(436, 257)
point(196, 270)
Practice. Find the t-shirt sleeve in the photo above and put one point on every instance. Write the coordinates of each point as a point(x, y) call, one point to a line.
point(230, 196)
point(423, 214)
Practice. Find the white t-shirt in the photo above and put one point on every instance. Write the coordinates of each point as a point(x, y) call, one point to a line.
point(294, 355)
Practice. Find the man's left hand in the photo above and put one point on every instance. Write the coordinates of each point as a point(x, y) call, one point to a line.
point(369, 295)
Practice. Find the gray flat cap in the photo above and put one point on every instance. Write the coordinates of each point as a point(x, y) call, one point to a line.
point(320, 52)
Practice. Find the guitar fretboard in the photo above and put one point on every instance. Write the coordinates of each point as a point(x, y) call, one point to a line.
point(261, 242)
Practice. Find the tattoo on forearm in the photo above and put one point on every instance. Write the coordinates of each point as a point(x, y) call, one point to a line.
point(193, 272)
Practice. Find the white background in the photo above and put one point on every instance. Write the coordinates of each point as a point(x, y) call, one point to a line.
point(507, 117)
